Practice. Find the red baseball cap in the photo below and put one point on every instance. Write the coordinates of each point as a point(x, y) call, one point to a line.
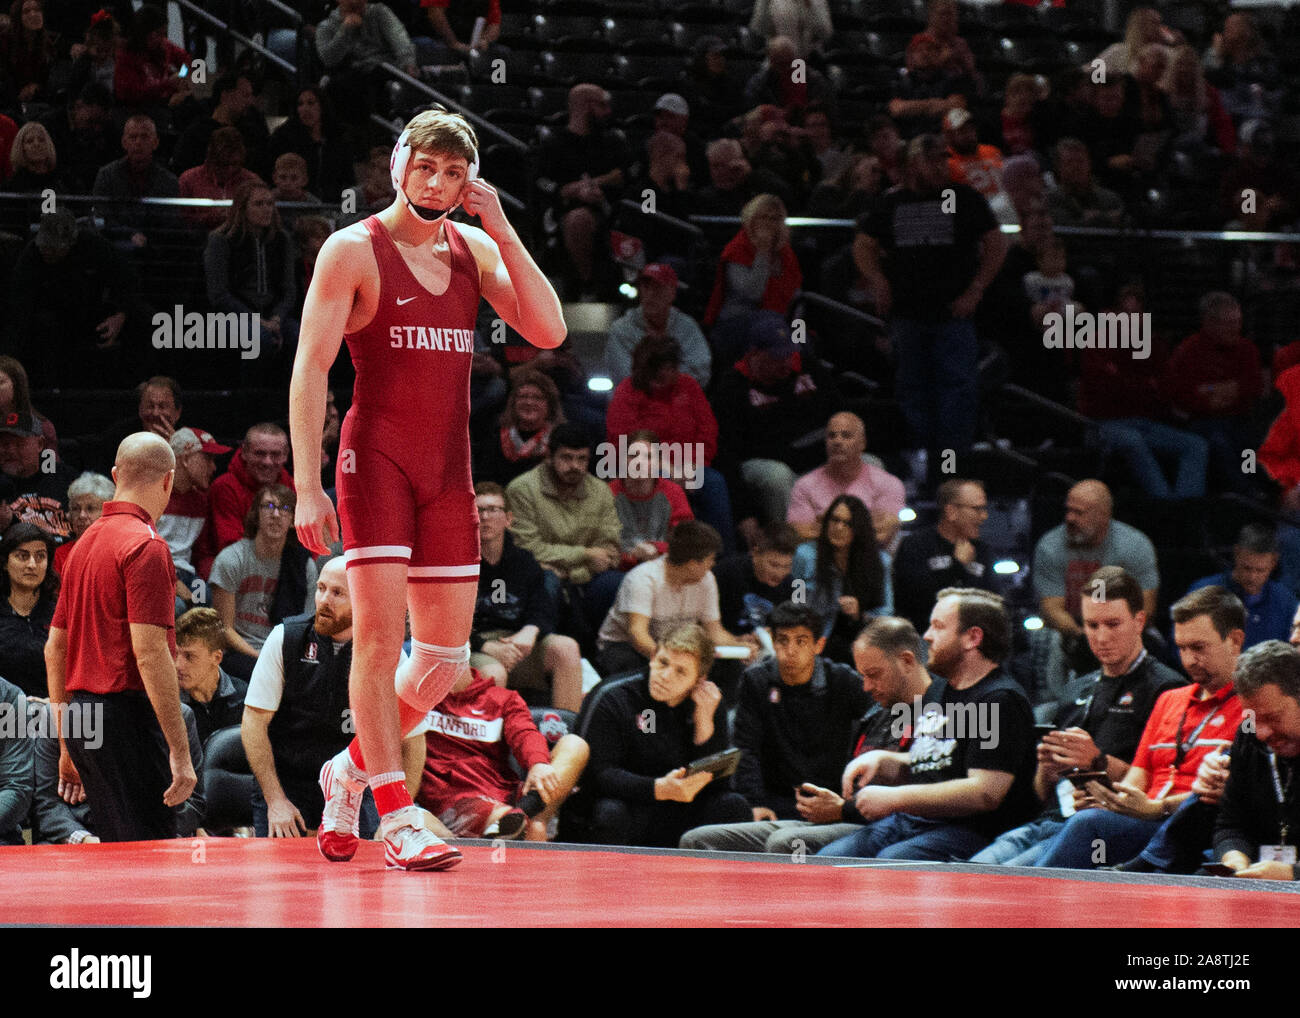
point(187, 440)
point(659, 272)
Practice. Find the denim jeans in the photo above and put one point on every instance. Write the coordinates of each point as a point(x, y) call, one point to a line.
point(1109, 838)
point(1139, 441)
point(903, 836)
point(711, 503)
point(1022, 846)
point(937, 382)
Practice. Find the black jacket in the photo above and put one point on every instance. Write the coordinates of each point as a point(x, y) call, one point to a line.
point(1249, 813)
point(793, 734)
point(309, 725)
point(635, 739)
point(925, 565)
point(22, 645)
point(226, 707)
point(512, 594)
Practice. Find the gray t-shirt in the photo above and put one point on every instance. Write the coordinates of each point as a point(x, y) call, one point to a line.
point(1062, 571)
point(253, 581)
point(645, 591)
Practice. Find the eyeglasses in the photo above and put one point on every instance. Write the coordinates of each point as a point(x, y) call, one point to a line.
point(276, 509)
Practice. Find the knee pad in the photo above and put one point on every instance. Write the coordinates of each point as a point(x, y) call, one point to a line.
point(426, 677)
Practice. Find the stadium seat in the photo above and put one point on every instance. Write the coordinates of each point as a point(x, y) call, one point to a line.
point(572, 68)
point(638, 35)
point(558, 29)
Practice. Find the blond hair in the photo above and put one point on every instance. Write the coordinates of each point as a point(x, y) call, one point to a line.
point(691, 639)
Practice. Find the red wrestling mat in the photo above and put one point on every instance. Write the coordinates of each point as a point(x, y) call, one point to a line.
point(244, 882)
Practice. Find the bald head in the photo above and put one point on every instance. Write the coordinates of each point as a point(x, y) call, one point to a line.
point(144, 472)
point(143, 459)
point(846, 440)
point(1088, 508)
point(334, 571)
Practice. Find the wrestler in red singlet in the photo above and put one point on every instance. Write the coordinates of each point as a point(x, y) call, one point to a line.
point(407, 490)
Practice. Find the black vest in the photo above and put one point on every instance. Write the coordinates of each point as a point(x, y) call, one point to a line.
point(313, 722)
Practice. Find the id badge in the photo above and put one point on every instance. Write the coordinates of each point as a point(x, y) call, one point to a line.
point(1278, 853)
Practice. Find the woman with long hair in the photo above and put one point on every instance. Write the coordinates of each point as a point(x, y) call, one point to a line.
point(659, 396)
point(258, 582)
point(519, 442)
point(28, 50)
point(29, 588)
point(1201, 122)
point(250, 267)
point(846, 574)
point(1144, 27)
point(757, 271)
point(34, 161)
point(312, 132)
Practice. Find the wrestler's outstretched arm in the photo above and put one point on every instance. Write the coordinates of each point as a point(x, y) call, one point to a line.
point(329, 302)
point(512, 283)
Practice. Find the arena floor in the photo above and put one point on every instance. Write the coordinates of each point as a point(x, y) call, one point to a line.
point(236, 882)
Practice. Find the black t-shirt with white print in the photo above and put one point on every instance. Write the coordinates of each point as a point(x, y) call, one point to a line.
point(987, 727)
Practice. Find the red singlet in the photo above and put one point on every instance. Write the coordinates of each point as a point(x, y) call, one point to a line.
point(404, 485)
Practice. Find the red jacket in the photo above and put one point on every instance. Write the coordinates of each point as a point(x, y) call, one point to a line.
point(1280, 453)
point(140, 78)
point(780, 289)
point(678, 509)
point(1204, 380)
point(470, 739)
point(232, 495)
point(679, 414)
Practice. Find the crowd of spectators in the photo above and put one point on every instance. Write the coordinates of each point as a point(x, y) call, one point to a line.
point(715, 546)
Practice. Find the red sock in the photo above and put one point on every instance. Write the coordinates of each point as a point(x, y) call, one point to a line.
point(354, 751)
point(390, 792)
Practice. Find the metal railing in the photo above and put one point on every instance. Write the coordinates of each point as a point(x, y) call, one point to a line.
point(212, 21)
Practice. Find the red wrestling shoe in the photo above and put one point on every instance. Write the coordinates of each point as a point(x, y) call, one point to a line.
point(338, 834)
point(409, 845)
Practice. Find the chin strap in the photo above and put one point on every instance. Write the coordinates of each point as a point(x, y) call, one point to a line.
point(398, 164)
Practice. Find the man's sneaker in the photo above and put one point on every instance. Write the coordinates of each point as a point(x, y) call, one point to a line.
point(409, 845)
point(337, 837)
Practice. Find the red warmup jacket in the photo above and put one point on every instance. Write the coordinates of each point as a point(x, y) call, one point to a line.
point(231, 495)
point(1204, 380)
point(780, 289)
point(677, 414)
point(471, 737)
point(1280, 453)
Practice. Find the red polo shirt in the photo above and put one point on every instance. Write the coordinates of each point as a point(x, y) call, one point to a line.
point(118, 572)
point(1158, 749)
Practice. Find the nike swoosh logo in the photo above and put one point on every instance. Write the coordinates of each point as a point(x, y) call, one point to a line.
point(476, 712)
point(400, 301)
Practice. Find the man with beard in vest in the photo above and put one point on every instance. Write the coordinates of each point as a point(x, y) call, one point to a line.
point(296, 713)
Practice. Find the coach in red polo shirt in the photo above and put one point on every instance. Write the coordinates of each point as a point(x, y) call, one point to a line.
point(111, 654)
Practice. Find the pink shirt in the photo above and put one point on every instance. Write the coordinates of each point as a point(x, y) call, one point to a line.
point(814, 492)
